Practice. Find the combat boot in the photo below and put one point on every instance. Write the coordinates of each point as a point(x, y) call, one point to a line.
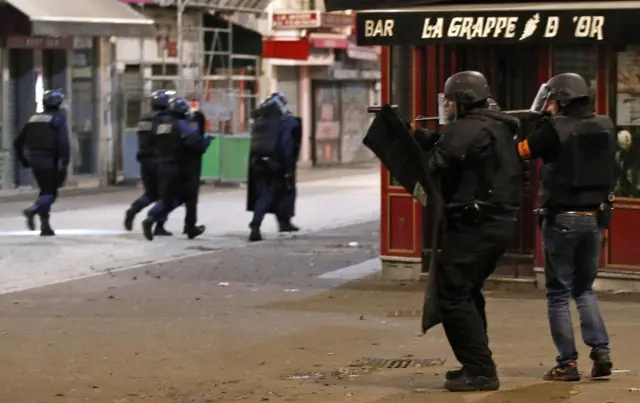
point(129, 216)
point(45, 227)
point(147, 228)
point(195, 231)
point(30, 216)
point(255, 235)
point(161, 231)
point(286, 226)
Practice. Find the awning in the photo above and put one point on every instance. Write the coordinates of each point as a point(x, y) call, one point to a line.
point(339, 5)
point(359, 5)
point(83, 18)
point(577, 22)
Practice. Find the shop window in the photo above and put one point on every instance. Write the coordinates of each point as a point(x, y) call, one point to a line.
point(579, 59)
point(627, 117)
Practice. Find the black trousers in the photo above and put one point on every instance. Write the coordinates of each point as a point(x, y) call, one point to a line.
point(150, 179)
point(178, 187)
point(469, 256)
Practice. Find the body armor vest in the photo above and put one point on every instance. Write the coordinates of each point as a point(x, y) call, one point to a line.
point(145, 136)
point(582, 174)
point(264, 137)
point(493, 177)
point(168, 140)
point(40, 133)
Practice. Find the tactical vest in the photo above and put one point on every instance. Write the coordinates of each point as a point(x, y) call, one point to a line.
point(145, 136)
point(168, 140)
point(583, 172)
point(494, 177)
point(264, 137)
point(40, 133)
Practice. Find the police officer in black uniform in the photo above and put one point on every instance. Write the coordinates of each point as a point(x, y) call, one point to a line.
point(45, 136)
point(272, 165)
point(148, 165)
point(480, 173)
point(578, 149)
point(176, 141)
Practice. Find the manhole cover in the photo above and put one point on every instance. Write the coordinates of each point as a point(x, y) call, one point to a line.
point(395, 363)
point(404, 314)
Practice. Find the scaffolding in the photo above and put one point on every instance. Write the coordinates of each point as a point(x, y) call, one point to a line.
point(205, 71)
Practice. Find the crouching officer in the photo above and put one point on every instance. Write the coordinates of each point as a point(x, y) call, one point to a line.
point(45, 136)
point(272, 165)
point(176, 140)
point(146, 156)
point(578, 149)
point(479, 171)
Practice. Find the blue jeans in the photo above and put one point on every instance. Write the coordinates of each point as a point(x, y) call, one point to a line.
point(571, 253)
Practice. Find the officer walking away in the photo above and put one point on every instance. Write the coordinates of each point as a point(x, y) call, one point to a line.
point(578, 149)
point(272, 165)
point(480, 173)
point(176, 142)
point(146, 156)
point(45, 137)
point(194, 158)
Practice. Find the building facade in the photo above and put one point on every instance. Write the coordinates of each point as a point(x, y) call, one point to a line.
point(63, 46)
point(311, 56)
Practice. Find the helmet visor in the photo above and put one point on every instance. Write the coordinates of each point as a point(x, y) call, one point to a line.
point(540, 102)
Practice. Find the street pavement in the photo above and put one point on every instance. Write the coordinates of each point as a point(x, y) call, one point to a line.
point(301, 318)
point(91, 239)
point(286, 320)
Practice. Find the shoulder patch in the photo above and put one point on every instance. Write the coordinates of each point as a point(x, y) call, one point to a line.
point(40, 118)
point(164, 128)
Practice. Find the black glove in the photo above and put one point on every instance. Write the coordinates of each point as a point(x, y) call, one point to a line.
point(62, 176)
point(25, 163)
point(289, 185)
point(426, 138)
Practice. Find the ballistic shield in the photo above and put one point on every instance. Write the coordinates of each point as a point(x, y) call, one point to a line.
point(393, 143)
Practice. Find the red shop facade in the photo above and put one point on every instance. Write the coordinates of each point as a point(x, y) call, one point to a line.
point(518, 47)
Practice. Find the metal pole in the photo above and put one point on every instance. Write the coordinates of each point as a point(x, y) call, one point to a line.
point(181, 6)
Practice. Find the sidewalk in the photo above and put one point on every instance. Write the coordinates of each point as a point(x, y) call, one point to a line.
point(80, 186)
point(90, 239)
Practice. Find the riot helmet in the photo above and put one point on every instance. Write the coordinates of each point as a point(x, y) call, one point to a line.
point(52, 100)
point(467, 88)
point(564, 88)
point(160, 100)
point(179, 107)
point(279, 100)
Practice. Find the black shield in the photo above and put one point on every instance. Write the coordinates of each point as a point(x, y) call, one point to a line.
point(393, 143)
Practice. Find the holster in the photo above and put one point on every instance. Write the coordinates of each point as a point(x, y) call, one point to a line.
point(471, 215)
point(604, 215)
point(545, 213)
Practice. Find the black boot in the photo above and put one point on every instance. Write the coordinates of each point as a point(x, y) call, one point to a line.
point(286, 226)
point(45, 227)
point(471, 383)
point(159, 230)
point(602, 363)
point(255, 235)
point(30, 216)
point(147, 228)
point(454, 374)
point(129, 216)
point(194, 231)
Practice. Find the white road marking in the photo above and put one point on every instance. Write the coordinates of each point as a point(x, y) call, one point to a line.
point(355, 271)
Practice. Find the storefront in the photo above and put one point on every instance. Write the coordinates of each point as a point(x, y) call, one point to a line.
point(518, 47)
point(39, 52)
point(327, 79)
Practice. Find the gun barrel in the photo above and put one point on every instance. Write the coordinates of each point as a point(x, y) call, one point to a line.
point(435, 118)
